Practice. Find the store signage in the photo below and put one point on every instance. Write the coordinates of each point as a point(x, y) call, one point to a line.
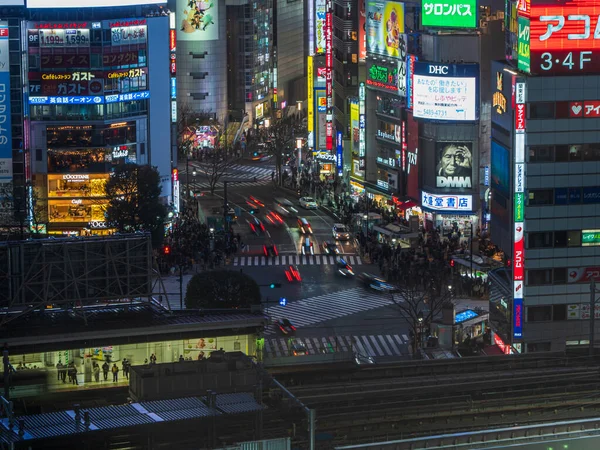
point(127, 73)
point(128, 35)
point(565, 38)
point(173, 64)
point(583, 274)
point(450, 14)
point(387, 78)
point(523, 45)
point(173, 88)
point(73, 100)
point(6, 144)
point(89, 4)
point(486, 176)
point(587, 109)
point(499, 99)
point(590, 238)
point(328, 75)
point(76, 201)
point(385, 28)
point(322, 104)
point(447, 203)
point(339, 154)
point(520, 118)
point(361, 122)
point(518, 317)
point(501, 345)
point(410, 70)
point(447, 92)
point(519, 177)
point(324, 156)
point(386, 161)
point(58, 26)
point(310, 113)
point(520, 93)
point(320, 13)
point(172, 40)
point(454, 165)
point(132, 96)
point(96, 224)
point(173, 111)
point(520, 147)
point(519, 260)
point(121, 151)
point(519, 207)
point(383, 184)
point(76, 177)
point(64, 38)
point(395, 137)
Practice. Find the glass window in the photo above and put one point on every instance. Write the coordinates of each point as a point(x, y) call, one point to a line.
point(543, 153)
point(540, 240)
point(559, 276)
point(539, 313)
point(538, 347)
point(541, 110)
point(575, 152)
point(560, 239)
point(538, 277)
point(574, 238)
point(541, 197)
point(591, 153)
point(561, 153)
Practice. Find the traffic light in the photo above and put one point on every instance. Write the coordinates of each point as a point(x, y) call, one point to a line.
point(508, 263)
point(253, 211)
point(451, 263)
point(166, 250)
point(275, 285)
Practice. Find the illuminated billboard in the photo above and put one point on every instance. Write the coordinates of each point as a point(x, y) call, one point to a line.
point(564, 37)
point(320, 18)
point(447, 203)
point(454, 165)
point(198, 22)
point(450, 14)
point(5, 130)
point(387, 77)
point(91, 4)
point(362, 30)
point(310, 115)
point(523, 39)
point(447, 92)
point(385, 28)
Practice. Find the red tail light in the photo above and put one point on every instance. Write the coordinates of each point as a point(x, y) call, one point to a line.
point(288, 275)
point(252, 227)
point(262, 227)
point(293, 327)
point(275, 250)
point(265, 250)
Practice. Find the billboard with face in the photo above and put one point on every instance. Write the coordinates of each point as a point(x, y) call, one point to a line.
point(454, 165)
point(197, 20)
point(385, 27)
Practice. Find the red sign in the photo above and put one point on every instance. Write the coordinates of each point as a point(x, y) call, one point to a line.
point(172, 40)
point(518, 315)
point(128, 23)
point(524, 8)
point(61, 26)
point(576, 109)
point(328, 76)
point(564, 37)
point(362, 30)
point(583, 274)
point(501, 345)
point(4, 32)
point(412, 153)
point(175, 175)
point(520, 118)
point(519, 253)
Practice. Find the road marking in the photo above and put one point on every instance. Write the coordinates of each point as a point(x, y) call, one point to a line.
point(376, 344)
point(393, 345)
point(235, 260)
point(405, 337)
point(359, 261)
point(318, 261)
point(383, 344)
point(256, 260)
point(309, 260)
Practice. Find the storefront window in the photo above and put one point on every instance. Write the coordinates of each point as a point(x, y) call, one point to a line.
point(77, 185)
point(389, 106)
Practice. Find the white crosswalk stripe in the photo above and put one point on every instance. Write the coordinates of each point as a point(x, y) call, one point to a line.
point(306, 260)
point(219, 185)
point(328, 306)
point(278, 347)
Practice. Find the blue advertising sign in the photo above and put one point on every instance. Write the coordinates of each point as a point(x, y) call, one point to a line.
point(574, 195)
point(339, 155)
point(561, 196)
point(464, 316)
point(132, 96)
point(173, 88)
point(5, 123)
point(410, 68)
point(518, 317)
point(62, 100)
point(591, 194)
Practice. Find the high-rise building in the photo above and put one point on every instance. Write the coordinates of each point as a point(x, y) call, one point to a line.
point(96, 84)
point(250, 57)
point(545, 177)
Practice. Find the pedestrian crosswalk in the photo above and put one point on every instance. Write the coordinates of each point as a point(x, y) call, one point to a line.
point(239, 171)
point(283, 260)
point(313, 310)
point(375, 346)
point(219, 184)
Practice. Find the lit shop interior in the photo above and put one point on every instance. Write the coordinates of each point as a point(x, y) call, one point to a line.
point(41, 367)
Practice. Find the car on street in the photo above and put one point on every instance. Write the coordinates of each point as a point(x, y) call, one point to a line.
point(256, 201)
point(284, 207)
point(285, 326)
point(274, 218)
point(344, 268)
point(308, 203)
point(307, 247)
point(292, 274)
point(330, 248)
point(374, 282)
point(297, 348)
point(256, 225)
point(269, 249)
point(253, 208)
point(340, 232)
point(304, 226)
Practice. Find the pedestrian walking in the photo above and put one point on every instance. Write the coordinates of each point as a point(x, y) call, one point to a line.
point(105, 369)
point(59, 367)
point(126, 368)
point(152, 358)
point(96, 371)
point(115, 372)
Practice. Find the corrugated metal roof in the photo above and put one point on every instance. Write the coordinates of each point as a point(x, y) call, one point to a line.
point(236, 403)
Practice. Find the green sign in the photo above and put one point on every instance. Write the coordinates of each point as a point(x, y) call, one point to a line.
point(523, 44)
point(519, 207)
point(450, 14)
point(590, 237)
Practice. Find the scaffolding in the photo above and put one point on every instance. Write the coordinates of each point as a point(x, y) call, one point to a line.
point(73, 273)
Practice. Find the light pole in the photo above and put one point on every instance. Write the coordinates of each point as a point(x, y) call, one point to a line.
point(420, 323)
point(593, 292)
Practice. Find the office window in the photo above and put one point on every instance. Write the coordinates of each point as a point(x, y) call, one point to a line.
point(559, 276)
point(559, 312)
point(542, 153)
point(539, 313)
point(541, 197)
point(540, 240)
point(539, 277)
point(541, 110)
point(538, 347)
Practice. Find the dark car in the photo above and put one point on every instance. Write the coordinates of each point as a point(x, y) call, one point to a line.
point(256, 225)
point(375, 282)
point(298, 349)
point(269, 249)
point(307, 247)
point(330, 248)
point(292, 274)
point(274, 218)
point(285, 326)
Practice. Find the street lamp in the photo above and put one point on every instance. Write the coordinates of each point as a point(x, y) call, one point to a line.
point(420, 322)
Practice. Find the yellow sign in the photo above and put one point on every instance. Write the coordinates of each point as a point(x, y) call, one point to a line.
point(498, 99)
point(310, 125)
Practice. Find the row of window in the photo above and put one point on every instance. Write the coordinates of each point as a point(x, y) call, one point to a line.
point(542, 277)
point(554, 239)
point(564, 196)
point(546, 313)
point(564, 153)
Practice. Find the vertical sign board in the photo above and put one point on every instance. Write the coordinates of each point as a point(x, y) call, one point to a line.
point(361, 125)
point(328, 75)
point(518, 208)
point(5, 125)
point(173, 67)
point(320, 28)
point(310, 119)
point(175, 180)
point(311, 27)
point(339, 154)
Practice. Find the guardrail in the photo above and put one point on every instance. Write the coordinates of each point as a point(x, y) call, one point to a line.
point(321, 358)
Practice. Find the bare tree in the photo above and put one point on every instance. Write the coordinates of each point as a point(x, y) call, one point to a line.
point(220, 159)
point(419, 305)
point(283, 132)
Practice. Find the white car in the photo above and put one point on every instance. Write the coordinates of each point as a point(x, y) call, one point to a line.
point(308, 203)
point(340, 232)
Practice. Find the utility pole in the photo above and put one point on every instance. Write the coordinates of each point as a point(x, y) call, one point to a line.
point(593, 292)
point(471, 249)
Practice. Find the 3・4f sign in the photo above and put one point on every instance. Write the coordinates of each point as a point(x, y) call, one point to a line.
point(565, 37)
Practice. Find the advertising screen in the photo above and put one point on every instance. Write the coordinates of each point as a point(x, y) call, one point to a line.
point(523, 39)
point(447, 203)
point(320, 17)
point(410, 70)
point(388, 77)
point(447, 92)
point(198, 22)
point(412, 157)
point(500, 181)
point(362, 30)
point(385, 26)
point(321, 123)
point(354, 127)
point(450, 14)
point(564, 37)
point(5, 130)
point(90, 4)
point(454, 165)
